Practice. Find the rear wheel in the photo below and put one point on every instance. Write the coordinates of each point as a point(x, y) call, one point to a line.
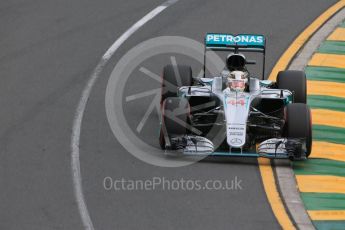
point(298, 123)
point(296, 82)
point(175, 76)
point(175, 118)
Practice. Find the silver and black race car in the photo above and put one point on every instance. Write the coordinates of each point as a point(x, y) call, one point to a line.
point(235, 113)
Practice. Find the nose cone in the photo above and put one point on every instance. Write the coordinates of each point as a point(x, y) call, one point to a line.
point(236, 113)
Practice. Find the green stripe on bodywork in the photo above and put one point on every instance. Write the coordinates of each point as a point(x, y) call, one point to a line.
point(342, 24)
point(329, 133)
point(332, 47)
point(323, 201)
point(329, 225)
point(319, 167)
point(326, 102)
point(325, 74)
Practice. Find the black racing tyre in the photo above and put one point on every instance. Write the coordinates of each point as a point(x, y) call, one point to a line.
point(299, 124)
point(175, 118)
point(171, 81)
point(296, 82)
point(161, 139)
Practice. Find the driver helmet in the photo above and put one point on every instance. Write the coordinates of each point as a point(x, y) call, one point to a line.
point(237, 80)
point(236, 62)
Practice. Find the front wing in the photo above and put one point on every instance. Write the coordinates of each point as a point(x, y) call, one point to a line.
point(275, 148)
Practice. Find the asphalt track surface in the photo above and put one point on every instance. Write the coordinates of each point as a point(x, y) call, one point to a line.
point(48, 51)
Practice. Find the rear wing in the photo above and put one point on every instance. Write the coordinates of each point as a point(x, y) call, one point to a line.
point(236, 44)
point(245, 42)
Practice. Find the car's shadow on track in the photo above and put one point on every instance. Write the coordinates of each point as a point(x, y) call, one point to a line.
point(230, 160)
point(218, 159)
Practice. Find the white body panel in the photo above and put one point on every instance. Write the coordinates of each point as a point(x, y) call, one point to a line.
point(236, 109)
point(236, 105)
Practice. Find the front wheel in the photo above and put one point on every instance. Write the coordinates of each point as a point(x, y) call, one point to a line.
point(175, 118)
point(299, 124)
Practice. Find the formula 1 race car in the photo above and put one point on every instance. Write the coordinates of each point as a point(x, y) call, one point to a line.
point(235, 113)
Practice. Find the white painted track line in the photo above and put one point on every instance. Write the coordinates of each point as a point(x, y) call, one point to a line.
point(78, 117)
